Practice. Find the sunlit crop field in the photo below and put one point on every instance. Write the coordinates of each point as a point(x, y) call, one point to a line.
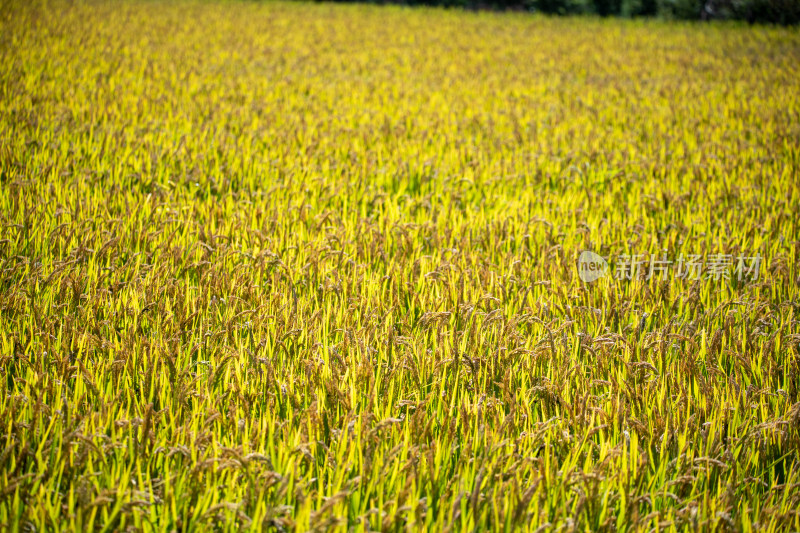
point(308, 266)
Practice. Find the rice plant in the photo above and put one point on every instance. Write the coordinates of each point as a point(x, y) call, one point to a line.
point(289, 266)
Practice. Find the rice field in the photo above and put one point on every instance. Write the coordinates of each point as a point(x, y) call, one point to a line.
point(295, 266)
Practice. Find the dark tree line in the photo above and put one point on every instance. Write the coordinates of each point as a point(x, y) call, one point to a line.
point(786, 12)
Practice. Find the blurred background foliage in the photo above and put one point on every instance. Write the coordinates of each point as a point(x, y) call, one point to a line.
point(784, 12)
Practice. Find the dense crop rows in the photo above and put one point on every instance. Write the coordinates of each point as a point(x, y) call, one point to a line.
point(311, 266)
